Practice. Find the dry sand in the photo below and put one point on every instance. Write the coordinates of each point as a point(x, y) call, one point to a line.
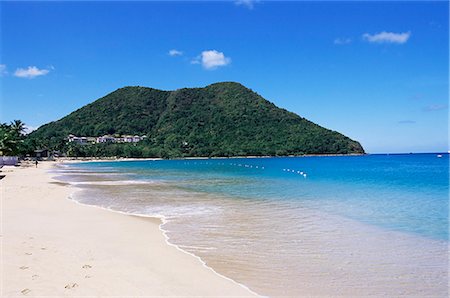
point(52, 246)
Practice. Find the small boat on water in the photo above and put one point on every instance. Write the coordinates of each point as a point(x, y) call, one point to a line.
point(439, 155)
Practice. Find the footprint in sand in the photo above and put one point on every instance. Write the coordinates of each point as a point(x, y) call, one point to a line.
point(25, 291)
point(28, 253)
point(34, 277)
point(71, 286)
point(87, 276)
point(23, 267)
point(86, 266)
point(43, 248)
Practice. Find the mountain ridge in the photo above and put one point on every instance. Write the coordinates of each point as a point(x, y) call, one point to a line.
point(221, 119)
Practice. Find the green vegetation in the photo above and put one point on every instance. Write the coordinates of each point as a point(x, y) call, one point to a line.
point(11, 138)
point(222, 119)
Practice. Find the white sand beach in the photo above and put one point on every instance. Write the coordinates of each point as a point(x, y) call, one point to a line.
point(52, 246)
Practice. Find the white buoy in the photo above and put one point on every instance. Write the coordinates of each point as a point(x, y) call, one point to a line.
point(304, 175)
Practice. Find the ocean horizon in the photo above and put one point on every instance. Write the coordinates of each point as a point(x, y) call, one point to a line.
point(372, 224)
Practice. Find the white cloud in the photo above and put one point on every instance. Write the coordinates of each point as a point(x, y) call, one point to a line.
point(342, 41)
point(212, 59)
point(3, 70)
point(29, 129)
point(247, 3)
point(31, 72)
point(387, 37)
point(175, 53)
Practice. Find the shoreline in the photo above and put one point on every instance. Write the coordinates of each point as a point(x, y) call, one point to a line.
point(112, 159)
point(104, 159)
point(162, 220)
point(79, 246)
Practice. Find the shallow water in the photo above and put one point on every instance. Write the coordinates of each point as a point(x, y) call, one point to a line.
point(359, 225)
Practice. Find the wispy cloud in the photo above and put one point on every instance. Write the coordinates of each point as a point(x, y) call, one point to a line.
point(250, 4)
point(416, 96)
point(211, 59)
point(387, 37)
point(406, 122)
point(435, 107)
point(3, 70)
point(29, 129)
point(175, 53)
point(434, 24)
point(342, 41)
point(31, 72)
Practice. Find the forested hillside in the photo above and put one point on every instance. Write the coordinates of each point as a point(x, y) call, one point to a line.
point(222, 119)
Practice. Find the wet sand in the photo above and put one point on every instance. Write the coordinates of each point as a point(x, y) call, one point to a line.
point(52, 246)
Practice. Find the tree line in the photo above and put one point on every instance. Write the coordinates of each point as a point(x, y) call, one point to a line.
point(12, 138)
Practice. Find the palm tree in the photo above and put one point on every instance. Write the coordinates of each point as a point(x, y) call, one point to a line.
point(18, 127)
point(8, 142)
point(11, 137)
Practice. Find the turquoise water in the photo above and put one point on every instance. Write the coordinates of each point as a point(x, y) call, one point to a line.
point(402, 192)
point(289, 226)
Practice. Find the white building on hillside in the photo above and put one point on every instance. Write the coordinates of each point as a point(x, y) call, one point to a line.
point(105, 139)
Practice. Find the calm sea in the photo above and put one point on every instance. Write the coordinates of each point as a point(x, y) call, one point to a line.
point(299, 226)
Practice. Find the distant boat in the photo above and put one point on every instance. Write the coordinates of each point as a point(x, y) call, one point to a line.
point(439, 155)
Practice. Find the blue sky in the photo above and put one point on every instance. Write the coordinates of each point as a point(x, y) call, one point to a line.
point(375, 71)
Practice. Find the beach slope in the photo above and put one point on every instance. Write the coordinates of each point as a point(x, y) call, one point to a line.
point(52, 246)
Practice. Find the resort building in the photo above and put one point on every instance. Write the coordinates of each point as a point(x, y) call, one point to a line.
point(105, 139)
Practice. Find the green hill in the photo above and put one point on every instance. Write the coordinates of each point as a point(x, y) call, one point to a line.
point(222, 119)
